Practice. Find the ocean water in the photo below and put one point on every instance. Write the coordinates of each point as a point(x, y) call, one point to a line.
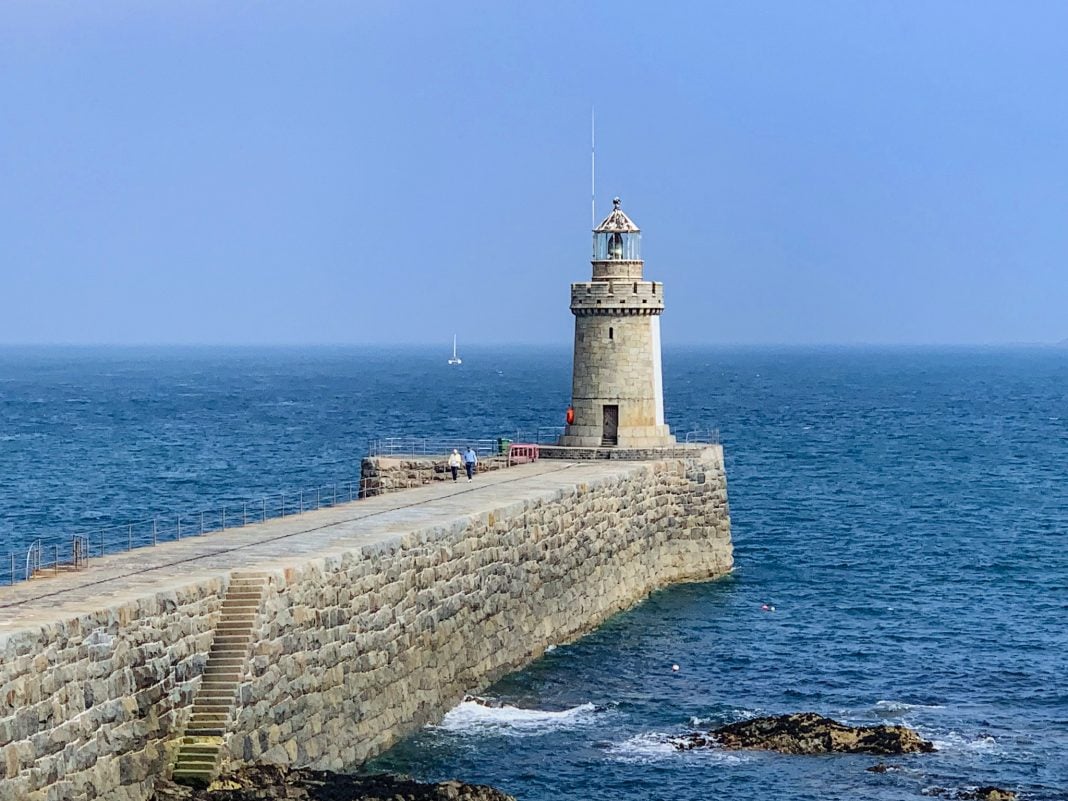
point(904, 511)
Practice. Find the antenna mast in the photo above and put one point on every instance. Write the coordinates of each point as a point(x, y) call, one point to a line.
point(593, 169)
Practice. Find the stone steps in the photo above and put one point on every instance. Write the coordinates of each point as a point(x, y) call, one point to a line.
point(202, 730)
point(200, 750)
point(206, 749)
point(233, 628)
point(212, 688)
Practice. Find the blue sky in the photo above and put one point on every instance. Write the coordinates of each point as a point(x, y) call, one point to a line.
point(377, 172)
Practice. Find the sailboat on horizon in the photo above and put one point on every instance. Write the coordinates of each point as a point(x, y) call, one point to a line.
point(455, 359)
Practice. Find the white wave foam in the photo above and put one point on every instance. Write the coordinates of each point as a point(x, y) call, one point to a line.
point(897, 709)
point(734, 716)
point(647, 747)
point(655, 746)
point(955, 741)
point(472, 717)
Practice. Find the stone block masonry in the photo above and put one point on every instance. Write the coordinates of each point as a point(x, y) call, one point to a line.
point(376, 618)
point(382, 474)
point(88, 703)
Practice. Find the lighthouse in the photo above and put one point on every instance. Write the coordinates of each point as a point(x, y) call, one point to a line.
point(617, 390)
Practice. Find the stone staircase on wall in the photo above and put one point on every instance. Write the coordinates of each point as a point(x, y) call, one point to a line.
point(201, 747)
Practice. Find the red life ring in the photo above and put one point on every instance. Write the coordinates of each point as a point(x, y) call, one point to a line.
point(570, 415)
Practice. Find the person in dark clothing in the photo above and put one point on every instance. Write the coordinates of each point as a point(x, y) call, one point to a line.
point(470, 460)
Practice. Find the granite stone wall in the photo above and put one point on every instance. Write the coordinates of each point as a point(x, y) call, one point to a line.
point(361, 649)
point(90, 707)
point(379, 475)
point(382, 474)
point(357, 649)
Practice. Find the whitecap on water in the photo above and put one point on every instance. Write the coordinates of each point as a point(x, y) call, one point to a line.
point(647, 747)
point(476, 717)
point(897, 709)
point(733, 716)
point(656, 746)
point(955, 741)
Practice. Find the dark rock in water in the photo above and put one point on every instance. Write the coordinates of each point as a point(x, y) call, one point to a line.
point(809, 733)
point(989, 793)
point(487, 702)
point(272, 783)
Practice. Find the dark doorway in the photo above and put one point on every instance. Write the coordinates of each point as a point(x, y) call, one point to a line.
point(610, 435)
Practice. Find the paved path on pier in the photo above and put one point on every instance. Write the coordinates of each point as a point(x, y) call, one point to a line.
point(276, 542)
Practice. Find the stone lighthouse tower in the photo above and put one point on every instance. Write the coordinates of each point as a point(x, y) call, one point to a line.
point(617, 388)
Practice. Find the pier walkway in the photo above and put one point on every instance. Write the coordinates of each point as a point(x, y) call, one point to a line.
point(276, 542)
point(322, 639)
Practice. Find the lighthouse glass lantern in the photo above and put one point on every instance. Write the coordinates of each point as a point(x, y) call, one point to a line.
point(617, 238)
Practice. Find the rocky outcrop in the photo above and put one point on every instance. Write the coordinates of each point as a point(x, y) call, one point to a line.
point(269, 782)
point(989, 793)
point(808, 733)
point(882, 767)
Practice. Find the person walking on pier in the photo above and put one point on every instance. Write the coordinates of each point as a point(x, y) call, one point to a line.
point(455, 460)
point(470, 460)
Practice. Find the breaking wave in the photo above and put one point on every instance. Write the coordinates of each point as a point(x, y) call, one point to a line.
point(477, 716)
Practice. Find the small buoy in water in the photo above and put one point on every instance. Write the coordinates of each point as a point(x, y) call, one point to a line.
point(767, 607)
point(674, 668)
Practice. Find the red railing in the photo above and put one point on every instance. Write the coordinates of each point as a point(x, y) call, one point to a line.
point(521, 452)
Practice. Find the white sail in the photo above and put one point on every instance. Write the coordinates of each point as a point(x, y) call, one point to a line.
point(455, 359)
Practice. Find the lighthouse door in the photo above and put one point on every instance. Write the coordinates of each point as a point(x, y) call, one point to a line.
point(610, 432)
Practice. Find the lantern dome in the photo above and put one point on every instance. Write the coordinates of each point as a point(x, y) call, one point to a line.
point(617, 238)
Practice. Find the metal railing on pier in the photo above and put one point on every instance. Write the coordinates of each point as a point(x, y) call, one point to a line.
point(61, 552)
point(442, 446)
point(701, 436)
point(433, 446)
point(543, 435)
point(53, 554)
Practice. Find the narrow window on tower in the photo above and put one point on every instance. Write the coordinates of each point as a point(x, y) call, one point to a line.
point(611, 333)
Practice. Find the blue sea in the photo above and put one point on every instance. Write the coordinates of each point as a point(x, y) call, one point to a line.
point(905, 512)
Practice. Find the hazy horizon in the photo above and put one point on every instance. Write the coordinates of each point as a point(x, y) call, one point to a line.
point(444, 347)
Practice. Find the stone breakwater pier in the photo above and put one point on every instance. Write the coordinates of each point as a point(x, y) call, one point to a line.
point(321, 640)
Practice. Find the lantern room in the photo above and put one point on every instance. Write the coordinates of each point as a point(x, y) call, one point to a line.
point(617, 238)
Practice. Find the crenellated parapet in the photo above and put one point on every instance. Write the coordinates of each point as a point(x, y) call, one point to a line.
point(617, 297)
